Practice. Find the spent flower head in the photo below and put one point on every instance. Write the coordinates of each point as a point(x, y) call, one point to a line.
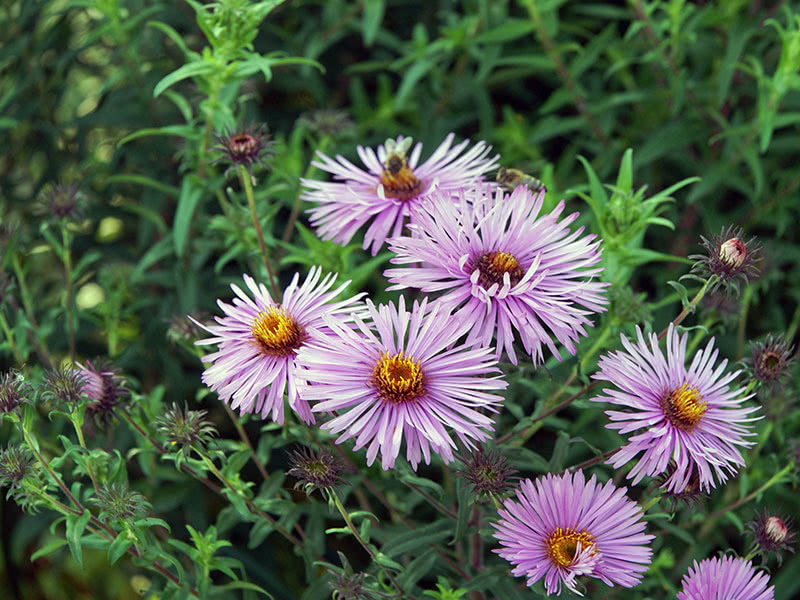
point(348, 585)
point(315, 470)
point(120, 503)
point(245, 146)
point(12, 391)
point(15, 462)
point(185, 428)
point(61, 201)
point(728, 257)
point(64, 385)
point(770, 360)
point(771, 533)
point(488, 472)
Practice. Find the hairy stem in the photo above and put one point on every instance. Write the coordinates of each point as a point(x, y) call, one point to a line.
point(351, 526)
point(247, 185)
point(67, 258)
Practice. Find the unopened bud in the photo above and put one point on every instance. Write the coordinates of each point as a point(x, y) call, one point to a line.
point(733, 252)
point(776, 529)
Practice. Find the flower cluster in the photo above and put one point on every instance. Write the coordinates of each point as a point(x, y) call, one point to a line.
point(497, 275)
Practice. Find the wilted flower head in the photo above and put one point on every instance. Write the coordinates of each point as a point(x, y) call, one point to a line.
point(562, 526)
point(185, 428)
point(245, 146)
point(729, 257)
point(315, 470)
point(120, 503)
point(723, 579)
point(772, 533)
point(61, 201)
point(104, 387)
point(508, 271)
point(488, 472)
point(12, 389)
point(688, 415)
point(63, 384)
point(770, 359)
point(391, 189)
point(15, 462)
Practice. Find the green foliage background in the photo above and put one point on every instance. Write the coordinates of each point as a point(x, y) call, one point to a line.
point(124, 96)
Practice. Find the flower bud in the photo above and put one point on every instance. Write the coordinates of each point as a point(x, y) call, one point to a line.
point(771, 533)
point(733, 252)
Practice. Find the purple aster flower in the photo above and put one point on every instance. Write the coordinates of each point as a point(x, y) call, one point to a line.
point(391, 188)
point(726, 578)
point(564, 526)
point(505, 268)
point(400, 376)
point(258, 340)
point(691, 416)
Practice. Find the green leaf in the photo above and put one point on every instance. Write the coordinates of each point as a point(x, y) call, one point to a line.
point(192, 69)
point(511, 29)
point(146, 181)
point(119, 547)
point(75, 527)
point(371, 22)
point(191, 192)
point(48, 549)
point(625, 177)
point(184, 131)
point(466, 501)
point(406, 542)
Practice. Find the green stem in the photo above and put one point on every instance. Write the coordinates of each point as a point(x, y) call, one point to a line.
point(689, 307)
point(243, 436)
point(432, 501)
point(351, 526)
point(287, 233)
point(740, 332)
point(79, 432)
point(10, 337)
point(247, 184)
point(67, 258)
point(23, 288)
point(34, 448)
point(250, 504)
point(650, 503)
point(769, 483)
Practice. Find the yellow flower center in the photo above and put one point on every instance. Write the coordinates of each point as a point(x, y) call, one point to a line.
point(562, 545)
point(276, 332)
point(398, 180)
point(398, 379)
point(493, 265)
point(684, 407)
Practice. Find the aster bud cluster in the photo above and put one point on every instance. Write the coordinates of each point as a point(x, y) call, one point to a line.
point(12, 391)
